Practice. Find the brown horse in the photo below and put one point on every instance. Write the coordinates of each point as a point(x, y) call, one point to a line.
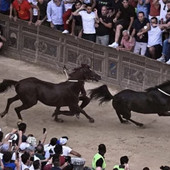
point(31, 90)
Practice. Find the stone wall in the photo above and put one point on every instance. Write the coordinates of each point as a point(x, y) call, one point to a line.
point(43, 45)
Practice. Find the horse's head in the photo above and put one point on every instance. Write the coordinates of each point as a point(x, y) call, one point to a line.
point(84, 73)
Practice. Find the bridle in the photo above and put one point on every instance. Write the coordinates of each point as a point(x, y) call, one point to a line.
point(70, 80)
point(167, 94)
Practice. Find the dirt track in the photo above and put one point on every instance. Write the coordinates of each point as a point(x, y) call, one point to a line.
point(147, 146)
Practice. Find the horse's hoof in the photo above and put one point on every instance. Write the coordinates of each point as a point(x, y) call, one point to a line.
point(140, 124)
point(59, 120)
point(2, 115)
point(91, 120)
point(20, 121)
point(125, 121)
point(78, 116)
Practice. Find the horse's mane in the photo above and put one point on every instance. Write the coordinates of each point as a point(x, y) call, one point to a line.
point(166, 83)
point(79, 68)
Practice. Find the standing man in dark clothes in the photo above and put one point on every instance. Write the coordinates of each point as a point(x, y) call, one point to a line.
point(103, 27)
point(116, 5)
point(98, 159)
point(100, 3)
point(141, 27)
point(42, 15)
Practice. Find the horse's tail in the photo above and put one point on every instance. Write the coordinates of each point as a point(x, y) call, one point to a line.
point(6, 84)
point(101, 93)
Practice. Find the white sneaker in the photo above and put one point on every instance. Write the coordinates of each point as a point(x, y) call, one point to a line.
point(65, 32)
point(161, 59)
point(114, 45)
point(168, 62)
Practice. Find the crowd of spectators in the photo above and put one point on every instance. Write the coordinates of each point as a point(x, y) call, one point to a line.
point(23, 152)
point(139, 26)
point(19, 151)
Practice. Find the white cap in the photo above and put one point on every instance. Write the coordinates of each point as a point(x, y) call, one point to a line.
point(24, 145)
point(63, 141)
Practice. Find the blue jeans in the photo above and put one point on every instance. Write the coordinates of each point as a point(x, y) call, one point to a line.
point(166, 49)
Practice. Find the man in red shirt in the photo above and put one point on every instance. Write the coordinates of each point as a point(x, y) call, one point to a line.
point(22, 10)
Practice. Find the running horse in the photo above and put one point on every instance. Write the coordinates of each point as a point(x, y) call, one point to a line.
point(31, 90)
point(154, 100)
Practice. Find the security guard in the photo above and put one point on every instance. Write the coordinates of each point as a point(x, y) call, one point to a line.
point(98, 159)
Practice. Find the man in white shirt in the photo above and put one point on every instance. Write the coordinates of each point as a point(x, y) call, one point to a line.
point(55, 9)
point(88, 20)
point(154, 39)
point(67, 150)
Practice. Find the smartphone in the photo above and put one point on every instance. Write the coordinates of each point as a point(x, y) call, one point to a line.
point(17, 155)
point(44, 130)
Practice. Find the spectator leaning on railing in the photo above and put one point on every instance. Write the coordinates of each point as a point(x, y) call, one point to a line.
point(166, 44)
point(22, 10)
point(55, 9)
point(126, 44)
point(123, 20)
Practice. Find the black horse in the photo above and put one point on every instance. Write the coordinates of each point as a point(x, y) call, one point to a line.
point(154, 100)
point(31, 90)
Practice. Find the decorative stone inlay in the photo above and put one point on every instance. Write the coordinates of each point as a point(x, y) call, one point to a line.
point(133, 74)
point(112, 69)
point(13, 39)
point(83, 59)
point(41, 46)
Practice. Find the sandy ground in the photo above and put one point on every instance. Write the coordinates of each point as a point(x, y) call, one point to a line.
point(147, 146)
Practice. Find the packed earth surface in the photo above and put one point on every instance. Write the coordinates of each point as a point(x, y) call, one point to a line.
point(145, 146)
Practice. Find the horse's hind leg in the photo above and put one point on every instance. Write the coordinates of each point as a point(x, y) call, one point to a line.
point(136, 123)
point(126, 113)
point(119, 112)
point(9, 102)
point(24, 106)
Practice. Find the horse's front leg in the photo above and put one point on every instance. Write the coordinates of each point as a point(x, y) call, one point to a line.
point(55, 115)
point(85, 101)
point(78, 109)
